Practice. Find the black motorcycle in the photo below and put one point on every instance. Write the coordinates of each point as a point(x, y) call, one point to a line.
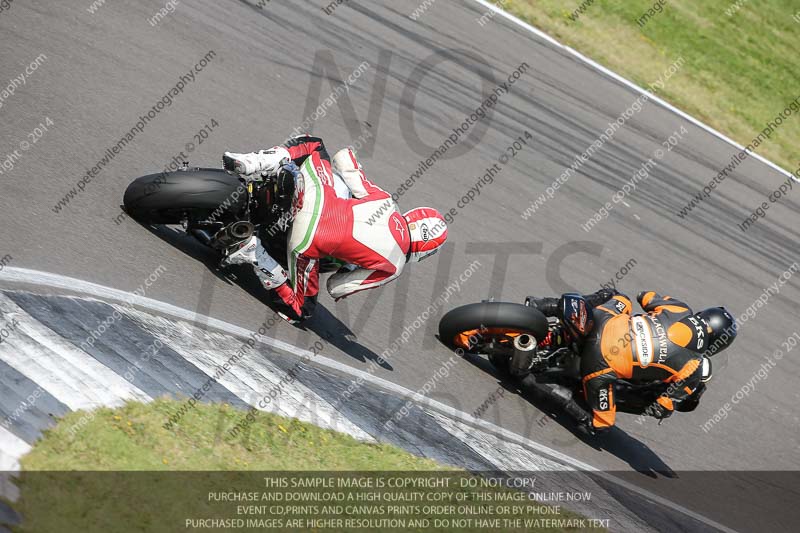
point(217, 207)
point(501, 330)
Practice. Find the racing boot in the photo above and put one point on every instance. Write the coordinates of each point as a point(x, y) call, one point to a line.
point(242, 254)
point(560, 398)
point(554, 394)
point(580, 415)
point(268, 162)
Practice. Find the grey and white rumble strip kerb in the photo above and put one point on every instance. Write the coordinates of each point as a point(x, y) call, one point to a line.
point(47, 369)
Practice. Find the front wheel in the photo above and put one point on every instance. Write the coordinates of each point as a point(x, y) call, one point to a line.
point(475, 327)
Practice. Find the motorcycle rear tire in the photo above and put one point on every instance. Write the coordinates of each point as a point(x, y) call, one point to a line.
point(511, 316)
point(166, 198)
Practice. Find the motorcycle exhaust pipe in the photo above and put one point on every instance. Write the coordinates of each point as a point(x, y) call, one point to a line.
point(233, 234)
point(524, 350)
point(524, 343)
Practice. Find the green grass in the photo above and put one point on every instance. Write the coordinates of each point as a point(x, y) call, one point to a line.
point(132, 438)
point(123, 471)
point(740, 71)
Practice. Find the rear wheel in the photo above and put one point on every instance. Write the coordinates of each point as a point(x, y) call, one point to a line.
point(489, 326)
point(198, 194)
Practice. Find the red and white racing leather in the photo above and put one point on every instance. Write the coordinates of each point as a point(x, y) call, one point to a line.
point(367, 230)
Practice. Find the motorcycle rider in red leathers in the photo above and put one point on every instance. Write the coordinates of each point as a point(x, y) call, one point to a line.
point(365, 231)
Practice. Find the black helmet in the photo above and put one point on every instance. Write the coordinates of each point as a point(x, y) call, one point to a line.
point(720, 329)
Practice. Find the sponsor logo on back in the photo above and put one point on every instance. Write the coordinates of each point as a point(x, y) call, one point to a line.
point(642, 341)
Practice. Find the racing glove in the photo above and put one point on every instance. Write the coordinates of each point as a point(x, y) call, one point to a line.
point(289, 299)
point(283, 295)
point(600, 297)
point(550, 306)
point(659, 412)
point(691, 402)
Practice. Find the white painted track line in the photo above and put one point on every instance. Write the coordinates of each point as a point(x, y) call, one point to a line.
point(251, 378)
point(11, 449)
point(69, 374)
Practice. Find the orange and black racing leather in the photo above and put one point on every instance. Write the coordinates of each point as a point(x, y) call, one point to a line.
point(661, 345)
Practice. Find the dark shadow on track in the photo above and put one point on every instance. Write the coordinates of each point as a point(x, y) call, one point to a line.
point(631, 450)
point(336, 332)
point(323, 323)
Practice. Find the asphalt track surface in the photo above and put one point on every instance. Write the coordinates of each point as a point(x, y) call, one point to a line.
point(104, 70)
